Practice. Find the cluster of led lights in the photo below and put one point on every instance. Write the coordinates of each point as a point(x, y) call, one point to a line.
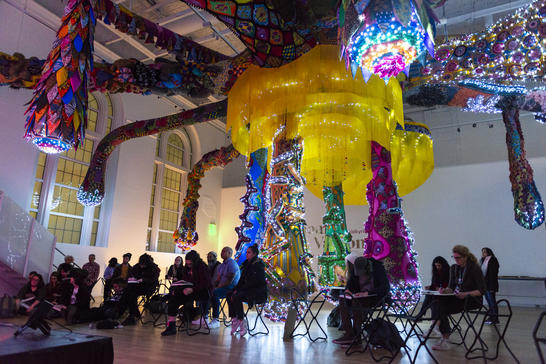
point(51, 145)
point(480, 104)
point(511, 49)
point(386, 49)
point(89, 198)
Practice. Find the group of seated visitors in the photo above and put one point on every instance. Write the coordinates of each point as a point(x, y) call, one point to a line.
point(205, 283)
point(367, 285)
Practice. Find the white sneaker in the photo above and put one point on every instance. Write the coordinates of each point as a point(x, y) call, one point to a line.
point(214, 324)
point(235, 323)
point(442, 345)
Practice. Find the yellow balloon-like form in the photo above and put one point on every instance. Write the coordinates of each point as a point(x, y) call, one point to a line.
point(317, 99)
point(412, 161)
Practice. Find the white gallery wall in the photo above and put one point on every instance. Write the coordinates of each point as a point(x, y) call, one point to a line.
point(124, 215)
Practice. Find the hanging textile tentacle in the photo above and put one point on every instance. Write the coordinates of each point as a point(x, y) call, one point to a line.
point(528, 205)
point(186, 235)
point(91, 191)
point(56, 118)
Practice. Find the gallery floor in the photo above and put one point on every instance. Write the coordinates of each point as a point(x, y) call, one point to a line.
point(145, 345)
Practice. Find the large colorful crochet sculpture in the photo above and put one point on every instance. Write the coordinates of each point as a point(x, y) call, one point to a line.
point(186, 235)
point(384, 37)
point(337, 240)
point(284, 248)
point(57, 115)
point(388, 237)
point(252, 228)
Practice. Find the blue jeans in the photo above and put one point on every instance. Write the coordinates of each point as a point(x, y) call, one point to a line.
point(492, 303)
point(216, 295)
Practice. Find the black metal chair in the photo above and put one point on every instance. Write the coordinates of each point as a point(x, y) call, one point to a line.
point(298, 299)
point(505, 316)
point(419, 334)
point(259, 308)
point(186, 318)
point(363, 341)
point(539, 340)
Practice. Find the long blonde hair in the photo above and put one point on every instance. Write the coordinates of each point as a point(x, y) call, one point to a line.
point(465, 252)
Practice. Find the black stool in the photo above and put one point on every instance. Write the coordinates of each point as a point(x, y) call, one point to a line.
point(259, 307)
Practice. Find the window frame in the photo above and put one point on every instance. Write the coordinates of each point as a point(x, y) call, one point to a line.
point(162, 164)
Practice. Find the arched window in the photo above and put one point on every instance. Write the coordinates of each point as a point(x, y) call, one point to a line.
point(173, 153)
point(54, 203)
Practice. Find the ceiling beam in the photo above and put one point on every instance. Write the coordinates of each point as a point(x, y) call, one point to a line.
point(482, 13)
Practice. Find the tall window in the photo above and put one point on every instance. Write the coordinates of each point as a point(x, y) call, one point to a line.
point(54, 203)
point(168, 190)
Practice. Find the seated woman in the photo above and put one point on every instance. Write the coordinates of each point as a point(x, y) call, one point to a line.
point(108, 277)
point(367, 286)
point(53, 288)
point(175, 271)
point(467, 283)
point(252, 288)
point(75, 296)
point(143, 280)
point(30, 294)
point(440, 279)
point(194, 285)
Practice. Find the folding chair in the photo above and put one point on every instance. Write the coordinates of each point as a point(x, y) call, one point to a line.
point(259, 307)
point(226, 320)
point(471, 317)
point(298, 298)
point(186, 320)
point(402, 310)
point(367, 331)
point(420, 336)
point(539, 340)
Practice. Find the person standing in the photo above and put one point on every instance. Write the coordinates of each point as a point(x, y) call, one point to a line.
point(490, 270)
point(93, 271)
point(225, 280)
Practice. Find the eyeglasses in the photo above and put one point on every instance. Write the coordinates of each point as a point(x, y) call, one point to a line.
point(456, 257)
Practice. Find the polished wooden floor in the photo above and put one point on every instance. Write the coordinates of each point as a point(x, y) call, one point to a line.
point(145, 345)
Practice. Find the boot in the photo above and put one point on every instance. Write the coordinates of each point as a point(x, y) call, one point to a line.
point(170, 330)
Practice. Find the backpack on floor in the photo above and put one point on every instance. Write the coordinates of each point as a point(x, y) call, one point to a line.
point(334, 318)
point(8, 306)
point(384, 334)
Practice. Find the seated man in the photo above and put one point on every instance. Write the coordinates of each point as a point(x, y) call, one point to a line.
point(367, 285)
point(143, 280)
point(226, 278)
point(195, 285)
point(111, 307)
point(252, 288)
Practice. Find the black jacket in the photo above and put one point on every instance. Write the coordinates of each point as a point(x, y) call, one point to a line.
point(83, 297)
point(252, 281)
point(492, 274)
point(149, 275)
point(472, 277)
point(381, 285)
point(202, 284)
